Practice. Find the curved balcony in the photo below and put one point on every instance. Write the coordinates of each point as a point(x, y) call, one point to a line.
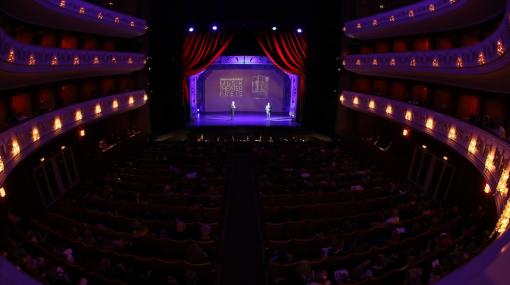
point(488, 153)
point(485, 66)
point(20, 141)
point(75, 15)
point(23, 65)
point(424, 17)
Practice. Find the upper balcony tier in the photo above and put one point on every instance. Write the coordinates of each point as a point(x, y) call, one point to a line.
point(75, 15)
point(24, 65)
point(424, 17)
point(485, 66)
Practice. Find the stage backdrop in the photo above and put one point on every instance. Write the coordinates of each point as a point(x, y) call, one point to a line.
point(251, 86)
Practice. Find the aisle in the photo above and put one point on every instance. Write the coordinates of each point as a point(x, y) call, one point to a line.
point(242, 252)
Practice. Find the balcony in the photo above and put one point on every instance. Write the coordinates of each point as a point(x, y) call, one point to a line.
point(424, 17)
point(75, 15)
point(485, 66)
point(488, 153)
point(20, 141)
point(24, 65)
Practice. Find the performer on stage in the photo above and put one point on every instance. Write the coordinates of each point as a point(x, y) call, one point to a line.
point(232, 109)
point(268, 111)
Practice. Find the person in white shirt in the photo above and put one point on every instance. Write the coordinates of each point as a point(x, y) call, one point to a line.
point(233, 108)
point(268, 111)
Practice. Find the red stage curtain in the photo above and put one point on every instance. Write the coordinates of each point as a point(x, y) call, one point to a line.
point(288, 51)
point(201, 50)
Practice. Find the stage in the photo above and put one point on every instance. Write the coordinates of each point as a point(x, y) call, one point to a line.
point(243, 119)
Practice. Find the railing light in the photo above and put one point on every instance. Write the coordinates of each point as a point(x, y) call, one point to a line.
point(389, 110)
point(472, 146)
point(371, 104)
point(430, 124)
point(355, 101)
point(131, 100)
point(2, 192)
point(115, 104)
point(97, 109)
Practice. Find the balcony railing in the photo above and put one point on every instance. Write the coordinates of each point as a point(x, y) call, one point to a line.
point(450, 65)
point(19, 142)
point(488, 153)
point(75, 15)
point(424, 16)
point(18, 59)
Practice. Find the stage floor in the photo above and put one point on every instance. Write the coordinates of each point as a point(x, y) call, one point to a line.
point(243, 119)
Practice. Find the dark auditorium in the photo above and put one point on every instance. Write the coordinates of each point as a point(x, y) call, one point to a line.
point(268, 142)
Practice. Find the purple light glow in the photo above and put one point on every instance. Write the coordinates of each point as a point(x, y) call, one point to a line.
point(252, 60)
point(299, 30)
point(214, 28)
point(274, 28)
point(191, 29)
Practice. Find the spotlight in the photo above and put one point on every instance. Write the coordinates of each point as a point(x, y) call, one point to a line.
point(299, 30)
point(214, 28)
point(191, 29)
point(274, 28)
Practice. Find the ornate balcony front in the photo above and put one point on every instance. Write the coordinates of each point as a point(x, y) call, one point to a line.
point(75, 15)
point(24, 65)
point(424, 17)
point(485, 66)
point(20, 141)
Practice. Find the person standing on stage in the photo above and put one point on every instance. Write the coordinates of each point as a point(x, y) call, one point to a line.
point(268, 111)
point(232, 109)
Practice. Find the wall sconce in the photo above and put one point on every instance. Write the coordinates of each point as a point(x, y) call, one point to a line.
point(355, 101)
point(445, 158)
point(131, 100)
point(2, 192)
point(130, 60)
point(82, 133)
point(435, 62)
point(389, 110)
point(11, 57)
point(374, 22)
point(472, 146)
point(57, 124)
point(132, 24)
point(78, 116)
point(412, 63)
point(423, 146)
point(31, 60)
point(432, 7)
point(371, 105)
point(452, 134)
point(500, 49)
point(62, 4)
point(392, 18)
point(489, 162)
point(115, 104)
point(35, 135)
point(54, 60)
point(145, 97)
point(393, 62)
point(429, 124)
point(358, 61)
point(116, 20)
point(97, 109)
point(481, 58)
point(487, 189)
point(459, 63)
point(358, 26)
point(15, 148)
point(410, 13)
point(375, 62)
point(405, 132)
point(96, 60)
point(409, 115)
point(114, 60)
point(1, 165)
point(82, 10)
point(100, 16)
point(76, 60)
